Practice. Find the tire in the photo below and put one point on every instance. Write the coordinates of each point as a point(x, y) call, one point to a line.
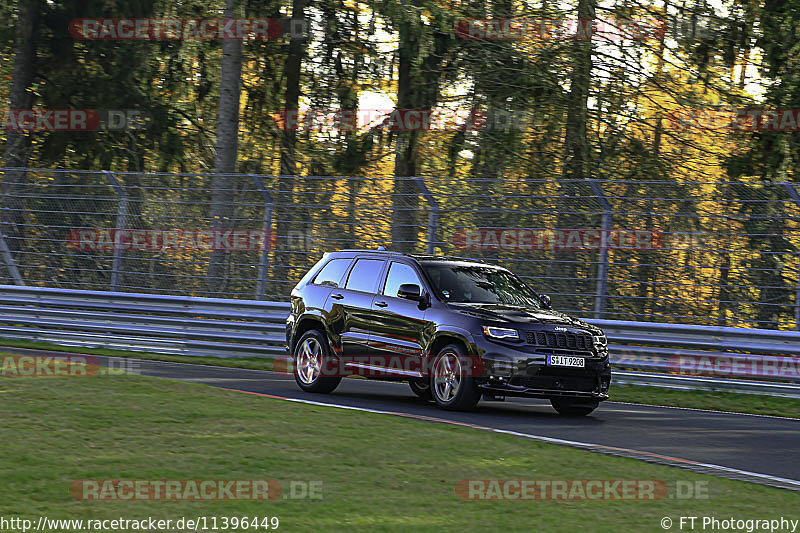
point(573, 407)
point(462, 394)
point(421, 387)
point(311, 355)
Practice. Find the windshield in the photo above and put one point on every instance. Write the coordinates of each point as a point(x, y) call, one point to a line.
point(466, 283)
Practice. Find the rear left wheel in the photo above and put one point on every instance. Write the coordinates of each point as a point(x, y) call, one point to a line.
point(310, 359)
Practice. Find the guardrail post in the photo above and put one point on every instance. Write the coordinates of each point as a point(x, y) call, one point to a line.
point(796, 198)
point(8, 259)
point(263, 263)
point(601, 291)
point(122, 212)
point(433, 214)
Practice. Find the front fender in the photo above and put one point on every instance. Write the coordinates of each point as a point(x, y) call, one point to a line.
point(456, 332)
point(474, 352)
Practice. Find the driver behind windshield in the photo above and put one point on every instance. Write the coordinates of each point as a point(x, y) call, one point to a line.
point(479, 285)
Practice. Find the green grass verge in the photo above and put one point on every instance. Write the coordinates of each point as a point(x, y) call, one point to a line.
point(256, 363)
point(378, 473)
point(719, 401)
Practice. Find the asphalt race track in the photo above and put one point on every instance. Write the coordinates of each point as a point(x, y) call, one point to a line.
point(755, 448)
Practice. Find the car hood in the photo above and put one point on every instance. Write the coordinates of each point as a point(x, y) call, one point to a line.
point(521, 315)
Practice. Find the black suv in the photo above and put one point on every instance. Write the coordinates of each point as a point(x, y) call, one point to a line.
point(456, 330)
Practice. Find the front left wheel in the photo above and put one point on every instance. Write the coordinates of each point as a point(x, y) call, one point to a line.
point(452, 386)
point(309, 364)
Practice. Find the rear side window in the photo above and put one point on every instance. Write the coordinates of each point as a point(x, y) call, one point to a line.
point(364, 276)
point(332, 273)
point(399, 273)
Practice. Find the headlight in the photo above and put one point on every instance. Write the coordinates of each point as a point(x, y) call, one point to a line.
point(500, 333)
point(600, 341)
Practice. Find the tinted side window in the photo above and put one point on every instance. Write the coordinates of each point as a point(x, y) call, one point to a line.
point(332, 272)
point(399, 273)
point(364, 276)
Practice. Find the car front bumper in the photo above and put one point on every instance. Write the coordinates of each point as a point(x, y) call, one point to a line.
point(524, 372)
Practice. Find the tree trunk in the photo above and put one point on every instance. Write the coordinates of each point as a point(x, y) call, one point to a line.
point(576, 149)
point(284, 211)
point(18, 143)
point(418, 89)
point(648, 273)
point(575, 143)
point(222, 184)
point(405, 201)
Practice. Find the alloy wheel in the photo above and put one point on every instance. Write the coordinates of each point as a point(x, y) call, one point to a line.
point(447, 376)
point(309, 361)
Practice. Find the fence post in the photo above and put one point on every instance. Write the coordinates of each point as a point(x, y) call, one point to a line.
point(796, 198)
point(122, 212)
point(5, 251)
point(263, 263)
point(601, 292)
point(433, 214)
point(9, 260)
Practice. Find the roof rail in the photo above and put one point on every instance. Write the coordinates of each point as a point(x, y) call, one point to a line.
point(419, 257)
point(428, 257)
point(380, 250)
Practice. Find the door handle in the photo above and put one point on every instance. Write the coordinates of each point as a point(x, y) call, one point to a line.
point(381, 304)
point(337, 296)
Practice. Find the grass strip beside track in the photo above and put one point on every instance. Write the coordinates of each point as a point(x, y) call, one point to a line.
point(377, 472)
point(717, 401)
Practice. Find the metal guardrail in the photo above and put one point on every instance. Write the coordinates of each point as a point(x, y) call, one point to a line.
point(707, 252)
point(688, 357)
point(143, 322)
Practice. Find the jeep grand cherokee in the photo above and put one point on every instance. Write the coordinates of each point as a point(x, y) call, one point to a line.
point(456, 330)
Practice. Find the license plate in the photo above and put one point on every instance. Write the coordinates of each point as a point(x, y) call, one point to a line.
point(563, 360)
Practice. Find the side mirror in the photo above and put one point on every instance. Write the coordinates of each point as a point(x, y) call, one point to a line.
point(545, 299)
point(410, 291)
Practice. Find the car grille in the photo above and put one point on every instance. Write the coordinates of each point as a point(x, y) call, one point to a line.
point(568, 341)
